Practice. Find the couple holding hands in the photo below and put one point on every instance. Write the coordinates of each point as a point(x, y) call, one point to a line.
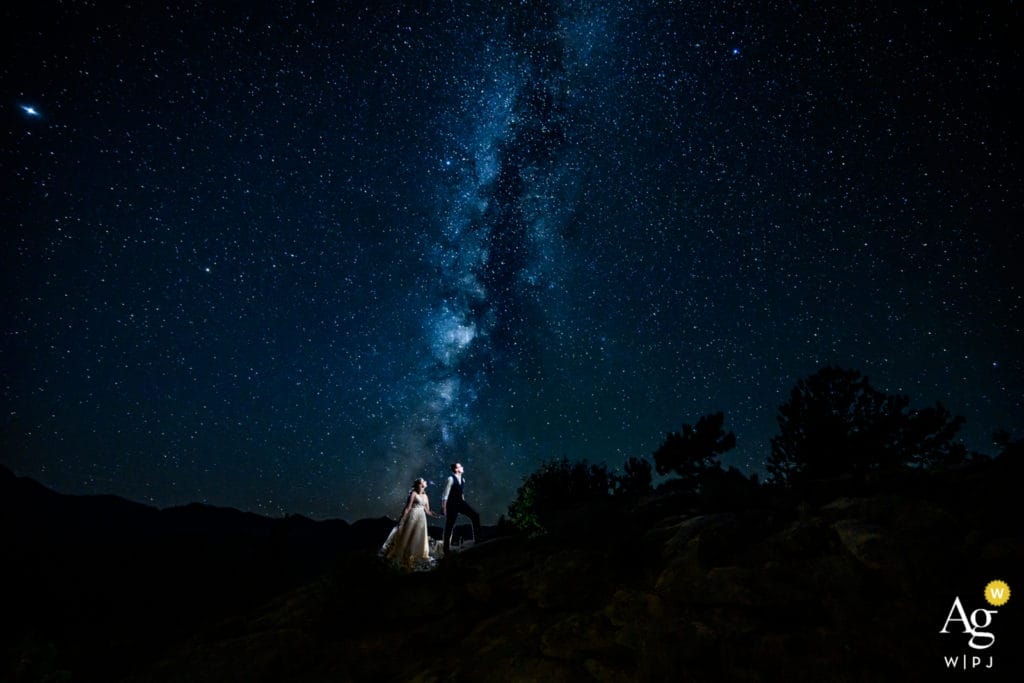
point(409, 543)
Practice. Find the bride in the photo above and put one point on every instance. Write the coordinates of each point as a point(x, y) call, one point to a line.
point(409, 543)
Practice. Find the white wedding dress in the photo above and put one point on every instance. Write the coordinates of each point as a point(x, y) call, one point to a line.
point(409, 543)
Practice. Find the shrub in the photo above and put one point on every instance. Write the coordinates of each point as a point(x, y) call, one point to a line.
point(635, 479)
point(556, 485)
point(695, 450)
point(836, 424)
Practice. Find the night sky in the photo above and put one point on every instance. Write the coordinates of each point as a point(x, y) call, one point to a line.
point(290, 259)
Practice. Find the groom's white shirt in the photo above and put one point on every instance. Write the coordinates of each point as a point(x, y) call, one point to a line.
point(448, 487)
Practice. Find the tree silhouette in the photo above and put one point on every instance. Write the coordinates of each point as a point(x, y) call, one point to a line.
point(556, 485)
point(636, 477)
point(693, 451)
point(835, 423)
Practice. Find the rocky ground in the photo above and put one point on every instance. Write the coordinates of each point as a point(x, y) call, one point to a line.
point(841, 583)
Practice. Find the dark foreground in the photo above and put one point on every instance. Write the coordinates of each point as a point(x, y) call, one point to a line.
point(841, 583)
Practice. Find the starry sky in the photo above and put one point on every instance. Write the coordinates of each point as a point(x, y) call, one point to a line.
point(288, 257)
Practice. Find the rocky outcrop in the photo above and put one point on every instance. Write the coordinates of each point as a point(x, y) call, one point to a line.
point(851, 589)
point(854, 589)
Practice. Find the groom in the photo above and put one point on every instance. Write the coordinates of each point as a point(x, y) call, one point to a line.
point(453, 502)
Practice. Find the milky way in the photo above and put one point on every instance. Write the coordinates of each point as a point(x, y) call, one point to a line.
point(289, 259)
point(506, 190)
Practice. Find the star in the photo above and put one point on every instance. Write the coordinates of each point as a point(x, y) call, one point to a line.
point(541, 232)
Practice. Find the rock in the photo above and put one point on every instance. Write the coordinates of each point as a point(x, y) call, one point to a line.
point(570, 579)
point(867, 543)
point(576, 635)
point(687, 529)
point(804, 538)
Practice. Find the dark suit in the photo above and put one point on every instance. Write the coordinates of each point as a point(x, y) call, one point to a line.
point(456, 505)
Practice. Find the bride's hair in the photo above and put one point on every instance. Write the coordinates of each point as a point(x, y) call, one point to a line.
point(416, 484)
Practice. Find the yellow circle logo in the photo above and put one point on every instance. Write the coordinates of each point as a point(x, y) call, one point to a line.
point(997, 593)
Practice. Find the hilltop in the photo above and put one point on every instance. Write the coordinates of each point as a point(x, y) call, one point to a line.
point(852, 583)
